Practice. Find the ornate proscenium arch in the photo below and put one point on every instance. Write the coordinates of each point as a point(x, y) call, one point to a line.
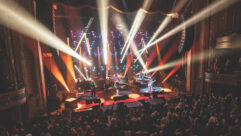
point(117, 5)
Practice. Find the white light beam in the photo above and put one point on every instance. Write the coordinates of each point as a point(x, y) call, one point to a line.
point(80, 72)
point(103, 17)
point(215, 7)
point(138, 19)
point(15, 17)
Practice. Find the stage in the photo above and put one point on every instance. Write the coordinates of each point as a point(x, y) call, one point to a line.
point(108, 99)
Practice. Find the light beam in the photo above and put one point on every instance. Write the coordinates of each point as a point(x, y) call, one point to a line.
point(117, 19)
point(68, 62)
point(137, 23)
point(53, 68)
point(80, 72)
point(165, 22)
point(196, 57)
point(15, 17)
point(173, 71)
point(83, 36)
point(103, 17)
point(215, 7)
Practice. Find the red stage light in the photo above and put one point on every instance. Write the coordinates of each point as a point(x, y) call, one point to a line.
point(55, 7)
point(173, 71)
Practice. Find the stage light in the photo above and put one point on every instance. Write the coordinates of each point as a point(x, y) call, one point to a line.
point(88, 45)
point(68, 62)
point(128, 64)
point(79, 43)
point(135, 26)
point(165, 22)
point(108, 61)
point(173, 71)
point(168, 54)
point(173, 15)
point(139, 55)
point(215, 7)
point(163, 25)
point(137, 22)
point(99, 60)
point(15, 17)
point(103, 17)
point(116, 60)
point(102, 100)
point(80, 72)
point(144, 43)
point(117, 19)
point(166, 90)
point(84, 34)
point(151, 57)
point(79, 106)
point(53, 68)
point(134, 96)
point(70, 99)
point(158, 52)
point(196, 57)
point(179, 6)
point(131, 31)
point(89, 23)
point(86, 71)
point(146, 5)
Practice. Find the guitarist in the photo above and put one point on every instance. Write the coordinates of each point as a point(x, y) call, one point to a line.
point(116, 83)
point(93, 88)
point(150, 82)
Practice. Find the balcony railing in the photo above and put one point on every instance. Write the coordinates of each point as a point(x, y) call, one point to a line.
point(226, 79)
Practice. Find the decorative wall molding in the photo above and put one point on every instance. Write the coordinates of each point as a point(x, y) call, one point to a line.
point(225, 79)
point(230, 41)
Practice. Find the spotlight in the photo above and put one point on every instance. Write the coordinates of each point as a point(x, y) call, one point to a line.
point(118, 19)
point(83, 36)
point(16, 18)
point(173, 15)
point(165, 22)
point(215, 7)
point(80, 72)
point(197, 57)
point(103, 16)
point(137, 22)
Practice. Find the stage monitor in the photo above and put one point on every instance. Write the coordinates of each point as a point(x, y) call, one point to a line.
point(121, 97)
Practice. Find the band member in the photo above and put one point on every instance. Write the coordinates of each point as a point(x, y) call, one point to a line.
point(116, 78)
point(142, 76)
point(150, 82)
point(78, 85)
point(116, 83)
point(93, 88)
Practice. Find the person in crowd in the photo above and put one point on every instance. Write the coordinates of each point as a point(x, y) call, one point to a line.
point(193, 115)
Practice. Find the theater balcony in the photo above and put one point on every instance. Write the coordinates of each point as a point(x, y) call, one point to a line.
point(226, 64)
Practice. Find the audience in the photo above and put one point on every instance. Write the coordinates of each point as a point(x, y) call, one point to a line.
point(207, 115)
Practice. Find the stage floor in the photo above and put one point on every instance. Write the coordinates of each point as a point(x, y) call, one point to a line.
point(131, 97)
